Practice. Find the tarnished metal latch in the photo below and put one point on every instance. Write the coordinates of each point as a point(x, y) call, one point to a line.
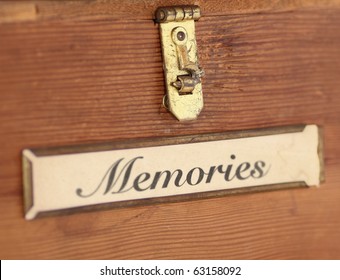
point(181, 68)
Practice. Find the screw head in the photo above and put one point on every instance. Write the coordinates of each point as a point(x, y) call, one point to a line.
point(180, 35)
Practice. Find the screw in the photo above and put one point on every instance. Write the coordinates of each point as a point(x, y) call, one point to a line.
point(181, 36)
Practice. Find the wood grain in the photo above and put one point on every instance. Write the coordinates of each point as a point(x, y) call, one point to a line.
point(95, 80)
point(16, 11)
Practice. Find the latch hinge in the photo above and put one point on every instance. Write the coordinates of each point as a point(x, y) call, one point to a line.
point(181, 67)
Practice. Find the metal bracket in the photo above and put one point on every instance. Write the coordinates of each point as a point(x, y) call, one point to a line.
point(182, 72)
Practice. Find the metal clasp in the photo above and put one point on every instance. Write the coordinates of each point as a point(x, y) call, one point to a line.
point(182, 72)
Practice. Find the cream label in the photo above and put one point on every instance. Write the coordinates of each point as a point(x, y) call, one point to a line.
point(59, 179)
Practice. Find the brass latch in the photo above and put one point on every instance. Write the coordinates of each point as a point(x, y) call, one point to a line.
point(182, 72)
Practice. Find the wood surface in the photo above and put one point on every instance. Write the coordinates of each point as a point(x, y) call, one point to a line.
point(14, 11)
point(69, 80)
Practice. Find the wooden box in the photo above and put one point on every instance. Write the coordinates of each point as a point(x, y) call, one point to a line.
point(86, 72)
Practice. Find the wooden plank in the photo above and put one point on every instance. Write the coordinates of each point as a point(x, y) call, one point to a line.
point(78, 82)
point(16, 11)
